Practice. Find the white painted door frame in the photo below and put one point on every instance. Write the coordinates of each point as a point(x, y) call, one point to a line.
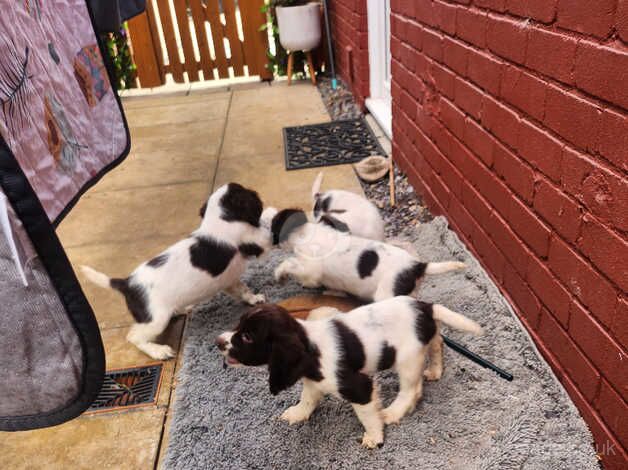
point(379, 103)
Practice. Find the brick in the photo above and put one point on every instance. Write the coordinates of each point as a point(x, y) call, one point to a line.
point(613, 140)
point(476, 205)
point(607, 250)
point(408, 104)
point(415, 35)
point(553, 295)
point(582, 280)
point(523, 297)
point(445, 15)
point(433, 44)
point(408, 58)
point(510, 245)
point(527, 225)
point(461, 219)
point(540, 149)
point(600, 348)
point(496, 192)
point(443, 79)
point(524, 91)
point(587, 17)
point(571, 359)
point(540, 10)
point(517, 175)
point(452, 117)
point(479, 141)
point(455, 55)
point(558, 210)
point(613, 410)
point(621, 19)
point(471, 26)
point(501, 121)
point(425, 12)
point(495, 5)
point(619, 325)
point(507, 38)
point(601, 71)
point(602, 191)
point(485, 71)
point(542, 45)
point(492, 257)
point(468, 98)
point(562, 107)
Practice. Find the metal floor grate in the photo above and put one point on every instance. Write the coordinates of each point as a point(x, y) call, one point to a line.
point(125, 388)
point(330, 143)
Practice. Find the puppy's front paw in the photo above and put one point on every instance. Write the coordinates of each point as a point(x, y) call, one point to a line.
point(432, 374)
point(294, 414)
point(391, 416)
point(281, 275)
point(255, 299)
point(371, 441)
point(161, 352)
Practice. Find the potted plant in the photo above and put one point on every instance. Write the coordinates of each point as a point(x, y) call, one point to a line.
point(299, 27)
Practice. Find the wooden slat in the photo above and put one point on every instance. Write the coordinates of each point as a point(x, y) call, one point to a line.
point(152, 22)
point(171, 43)
point(213, 17)
point(231, 30)
point(255, 41)
point(148, 70)
point(181, 12)
point(198, 16)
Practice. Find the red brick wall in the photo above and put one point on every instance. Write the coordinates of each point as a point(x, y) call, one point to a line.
point(509, 116)
point(350, 36)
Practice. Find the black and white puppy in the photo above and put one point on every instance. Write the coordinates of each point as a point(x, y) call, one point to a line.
point(344, 209)
point(339, 355)
point(368, 269)
point(194, 269)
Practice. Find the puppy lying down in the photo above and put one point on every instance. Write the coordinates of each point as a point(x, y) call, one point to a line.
point(368, 269)
point(194, 269)
point(337, 355)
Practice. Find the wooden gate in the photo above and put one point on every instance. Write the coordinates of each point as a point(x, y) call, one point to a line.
point(200, 39)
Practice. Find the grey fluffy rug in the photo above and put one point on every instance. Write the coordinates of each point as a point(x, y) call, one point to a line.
point(470, 419)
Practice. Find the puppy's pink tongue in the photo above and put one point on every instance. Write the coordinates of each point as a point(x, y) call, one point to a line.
point(232, 361)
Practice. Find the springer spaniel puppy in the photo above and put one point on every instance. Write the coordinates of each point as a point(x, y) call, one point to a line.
point(347, 211)
point(325, 256)
point(210, 260)
point(339, 355)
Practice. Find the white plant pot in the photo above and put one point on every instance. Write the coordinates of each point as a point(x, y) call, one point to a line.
point(299, 27)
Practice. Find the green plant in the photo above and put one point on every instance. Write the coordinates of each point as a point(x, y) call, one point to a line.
point(117, 47)
point(278, 62)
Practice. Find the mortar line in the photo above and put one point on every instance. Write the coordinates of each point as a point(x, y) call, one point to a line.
point(222, 142)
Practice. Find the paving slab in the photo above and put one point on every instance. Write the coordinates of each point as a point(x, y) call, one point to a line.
point(134, 214)
point(117, 440)
point(197, 109)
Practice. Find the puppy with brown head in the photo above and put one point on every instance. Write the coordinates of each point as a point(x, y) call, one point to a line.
point(338, 355)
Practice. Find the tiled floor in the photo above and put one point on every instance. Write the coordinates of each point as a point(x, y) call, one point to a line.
point(183, 147)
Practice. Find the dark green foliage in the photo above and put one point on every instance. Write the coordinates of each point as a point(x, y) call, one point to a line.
point(117, 46)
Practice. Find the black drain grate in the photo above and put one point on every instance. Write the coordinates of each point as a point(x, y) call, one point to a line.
point(330, 143)
point(128, 387)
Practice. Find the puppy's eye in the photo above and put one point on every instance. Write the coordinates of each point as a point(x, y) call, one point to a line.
point(246, 338)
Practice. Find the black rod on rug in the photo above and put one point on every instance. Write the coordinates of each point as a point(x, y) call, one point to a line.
point(460, 349)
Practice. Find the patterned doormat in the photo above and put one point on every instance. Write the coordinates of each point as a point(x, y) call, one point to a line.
point(330, 143)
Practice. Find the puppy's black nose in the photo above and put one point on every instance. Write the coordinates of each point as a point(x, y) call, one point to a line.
point(221, 343)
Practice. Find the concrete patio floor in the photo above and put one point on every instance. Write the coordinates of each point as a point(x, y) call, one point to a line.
point(183, 148)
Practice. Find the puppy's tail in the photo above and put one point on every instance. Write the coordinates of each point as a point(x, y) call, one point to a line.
point(96, 277)
point(316, 187)
point(444, 267)
point(455, 320)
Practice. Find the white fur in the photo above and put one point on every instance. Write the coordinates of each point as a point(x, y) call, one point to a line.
point(327, 257)
point(178, 284)
point(358, 213)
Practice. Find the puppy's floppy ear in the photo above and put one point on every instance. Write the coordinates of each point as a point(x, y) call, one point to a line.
point(285, 222)
point(203, 209)
point(241, 204)
point(287, 362)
